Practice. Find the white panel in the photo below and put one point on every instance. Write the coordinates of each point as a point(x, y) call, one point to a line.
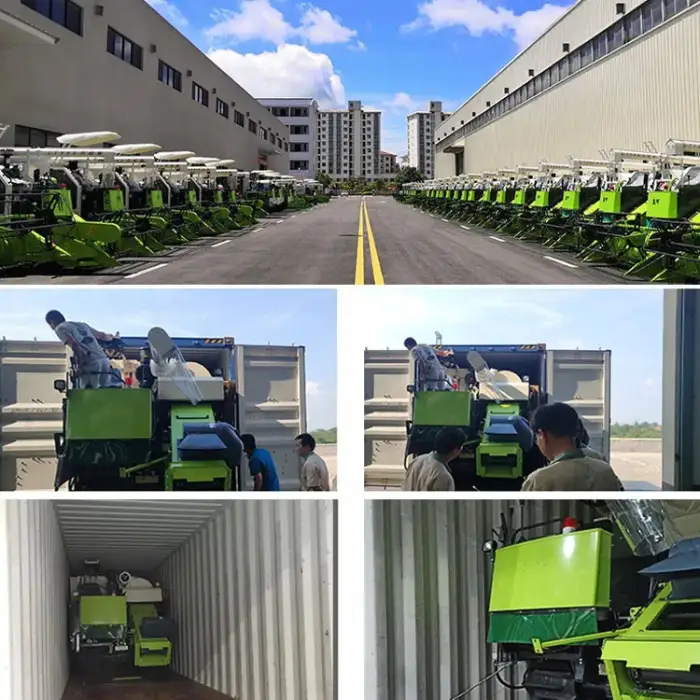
point(669, 397)
point(387, 406)
point(582, 22)
point(427, 583)
point(134, 535)
point(252, 597)
point(271, 383)
point(581, 378)
point(30, 412)
point(33, 602)
point(566, 119)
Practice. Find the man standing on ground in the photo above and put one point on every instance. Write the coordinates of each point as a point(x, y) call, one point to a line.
point(314, 472)
point(261, 465)
point(92, 367)
point(430, 472)
point(557, 429)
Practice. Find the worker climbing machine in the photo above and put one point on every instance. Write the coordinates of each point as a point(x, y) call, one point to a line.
point(634, 210)
point(88, 204)
point(171, 427)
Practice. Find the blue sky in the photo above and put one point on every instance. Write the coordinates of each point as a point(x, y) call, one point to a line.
point(252, 317)
point(394, 55)
point(626, 321)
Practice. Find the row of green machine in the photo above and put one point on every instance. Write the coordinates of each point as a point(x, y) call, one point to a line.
point(638, 211)
point(492, 407)
point(86, 206)
point(174, 429)
point(607, 609)
point(118, 627)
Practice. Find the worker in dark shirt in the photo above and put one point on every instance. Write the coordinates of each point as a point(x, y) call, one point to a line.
point(144, 376)
point(261, 465)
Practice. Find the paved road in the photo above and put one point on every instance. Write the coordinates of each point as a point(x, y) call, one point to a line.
point(351, 242)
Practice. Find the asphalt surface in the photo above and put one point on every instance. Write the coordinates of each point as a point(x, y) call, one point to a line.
point(335, 244)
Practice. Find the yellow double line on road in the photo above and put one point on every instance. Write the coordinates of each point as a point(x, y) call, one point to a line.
point(365, 225)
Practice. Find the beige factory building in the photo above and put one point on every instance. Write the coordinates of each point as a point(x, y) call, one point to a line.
point(606, 75)
point(117, 65)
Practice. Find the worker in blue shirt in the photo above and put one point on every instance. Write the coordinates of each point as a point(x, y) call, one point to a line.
point(262, 466)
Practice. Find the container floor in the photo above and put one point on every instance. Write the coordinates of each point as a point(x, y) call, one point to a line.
point(167, 687)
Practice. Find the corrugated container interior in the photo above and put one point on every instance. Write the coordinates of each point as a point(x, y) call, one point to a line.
point(249, 585)
point(427, 584)
point(270, 382)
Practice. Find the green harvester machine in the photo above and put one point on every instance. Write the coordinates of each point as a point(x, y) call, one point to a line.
point(492, 408)
point(173, 432)
point(635, 210)
point(606, 611)
point(118, 629)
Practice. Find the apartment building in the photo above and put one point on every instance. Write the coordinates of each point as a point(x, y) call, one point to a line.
point(422, 127)
point(301, 116)
point(388, 165)
point(76, 66)
point(348, 142)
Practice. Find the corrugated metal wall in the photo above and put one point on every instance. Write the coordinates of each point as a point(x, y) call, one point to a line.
point(33, 597)
point(585, 19)
point(271, 383)
point(426, 595)
point(600, 107)
point(252, 594)
point(30, 412)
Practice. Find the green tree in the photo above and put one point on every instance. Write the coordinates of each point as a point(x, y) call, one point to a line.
point(326, 437)
point(408, 174)
point(324, 179)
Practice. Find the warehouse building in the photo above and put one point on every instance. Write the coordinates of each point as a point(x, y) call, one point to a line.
point(422, 127)
point(605, 75)
point(301, 116)
point(69, 67)
point(348, 142)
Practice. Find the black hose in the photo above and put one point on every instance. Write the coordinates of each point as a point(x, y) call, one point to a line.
point(505, 684)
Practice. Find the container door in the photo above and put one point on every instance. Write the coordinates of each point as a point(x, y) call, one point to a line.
point(581, 378)
point(271, 385)
point(30, 413)
point(387, 406)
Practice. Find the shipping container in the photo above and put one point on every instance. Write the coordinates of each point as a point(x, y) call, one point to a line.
point(250, 587)
point(580, 378)
point(271, 402)
point(427, 585)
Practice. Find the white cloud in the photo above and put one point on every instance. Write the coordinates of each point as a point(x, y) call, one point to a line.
point(478, 18)
point(258, 19)
point(169, 11)
point(313, 388)
point(288, 71)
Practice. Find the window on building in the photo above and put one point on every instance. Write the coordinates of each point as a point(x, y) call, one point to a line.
point(299, 112)
point(575, 60)
point(657, 12)
point(632, 25)
point(168, 75)
point(26, 137)
point(280, 111)
point(200, 94)
point(298, 164)
point(670, 8)
point(64, 12)
point(647, 23)
point(125, 49)
point(252, 127)
point(286, 146)
point(222, 108)
point(614, 37)
point(238, 118)
point(263, 133)
point(279, 142)
point(301, 147)
point(299, 129)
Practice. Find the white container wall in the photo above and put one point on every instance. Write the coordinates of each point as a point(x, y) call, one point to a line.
point(33, 602)
point(267, 570)
point(250, 587)
point(426, 595)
